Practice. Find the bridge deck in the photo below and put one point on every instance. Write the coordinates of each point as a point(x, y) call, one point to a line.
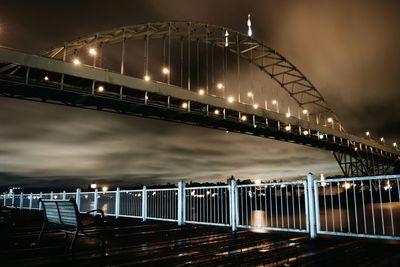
point(131, 242)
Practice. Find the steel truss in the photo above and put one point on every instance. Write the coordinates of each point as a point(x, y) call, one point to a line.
point(367, 163)
point(268, 60)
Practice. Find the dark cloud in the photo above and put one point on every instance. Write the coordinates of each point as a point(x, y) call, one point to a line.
point(348, 49)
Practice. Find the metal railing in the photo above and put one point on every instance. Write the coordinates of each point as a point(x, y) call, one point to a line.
point(273, 206)
point(208, 205)
point(360, 207)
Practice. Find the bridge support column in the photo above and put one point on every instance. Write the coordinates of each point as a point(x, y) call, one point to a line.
point(144, 203)
point(181, 203)
point(312, 223)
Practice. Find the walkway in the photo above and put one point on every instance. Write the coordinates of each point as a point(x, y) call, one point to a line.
point(131, 242)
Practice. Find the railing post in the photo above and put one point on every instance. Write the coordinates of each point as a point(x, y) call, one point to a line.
point(51, 195)
point(232, 204)
point(95, 199)
point(5, 200)
point(64, 195)
point(40, 203)
point(117, 202)
point(21, 200)
point(311, 206)
point(78, 198)
point(13, 200)
point(30, 201)
point(181, 203)
point(144, 204)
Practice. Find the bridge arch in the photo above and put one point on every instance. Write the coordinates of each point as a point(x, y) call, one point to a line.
point(266, 59)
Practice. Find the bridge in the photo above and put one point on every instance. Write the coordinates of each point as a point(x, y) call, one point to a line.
point(194, 73)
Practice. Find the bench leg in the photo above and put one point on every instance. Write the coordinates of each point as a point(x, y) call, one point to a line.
point(73, 240)
point(42, 231)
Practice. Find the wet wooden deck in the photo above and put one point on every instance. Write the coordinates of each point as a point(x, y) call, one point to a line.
point(131, 242)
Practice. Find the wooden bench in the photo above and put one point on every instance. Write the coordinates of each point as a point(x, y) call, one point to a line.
point(64, 216)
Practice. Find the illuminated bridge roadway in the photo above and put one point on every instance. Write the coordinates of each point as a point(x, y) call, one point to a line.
point(193, 73)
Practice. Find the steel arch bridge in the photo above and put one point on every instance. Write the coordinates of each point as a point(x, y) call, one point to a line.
point(59, 76)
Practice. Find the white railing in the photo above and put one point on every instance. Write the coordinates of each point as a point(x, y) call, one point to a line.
point(162, 204)
point(360, 207)
point(208, 205)
point(273, 206)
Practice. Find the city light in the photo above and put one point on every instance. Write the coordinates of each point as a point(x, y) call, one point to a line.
point(76, 61)
point(257, 182)
point(367, 133)
point(288, 115)
point(100, 89)
point(201, 92)
point(250, 94)
point(305, 111)
point(255, 106)
point(92, 51)
point(320, 136)
point(288, 128)
point(46, 78)
point(244, 118)
point(347, 185)
point(93, 186)
point(305, 132)
point(231, 99)
point(165, 70)
point(216, 112)
point(146, 78)
point(104, 188)
point(382, 139)
point(394, 144)
point(184, 105)
point(330, 120)
point(274, 102)
point(220, 85)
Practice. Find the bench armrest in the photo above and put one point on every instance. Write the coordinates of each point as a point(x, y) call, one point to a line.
point(93, 211)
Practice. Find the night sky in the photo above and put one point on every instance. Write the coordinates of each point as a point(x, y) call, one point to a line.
point(348, 49)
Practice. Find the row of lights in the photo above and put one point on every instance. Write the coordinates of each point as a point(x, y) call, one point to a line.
point(230, 99)
point(382, 140)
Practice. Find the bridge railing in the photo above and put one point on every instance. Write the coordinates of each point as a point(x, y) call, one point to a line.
point(360, 207)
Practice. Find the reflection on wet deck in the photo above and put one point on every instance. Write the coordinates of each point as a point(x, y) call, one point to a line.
point(131, 242)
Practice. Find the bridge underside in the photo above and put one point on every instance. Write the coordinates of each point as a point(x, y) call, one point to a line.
point(352, 163)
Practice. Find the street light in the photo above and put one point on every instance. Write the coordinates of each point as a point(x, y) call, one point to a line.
point(184, 105)
point(395, 145)
point(100, 89)
point(274, 102)
point(46, 78)
point(231, 99)
point(220, 85)
point(255, 106)
point(251, 95)
point(288, 128)
point(76, 61)
point(146, 78)
point(93, 186)
point(367, 133)
point(216, 112)
point(201, 92)
point(165, 70)
point(92, 51)
point(382, 139)
point(244, 118)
